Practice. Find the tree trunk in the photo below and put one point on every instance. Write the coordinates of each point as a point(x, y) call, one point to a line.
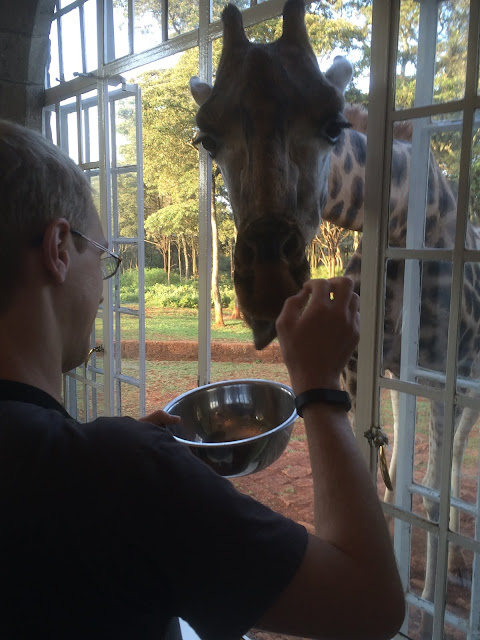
point(331, 265)
point(217, 303)
point(194, 258)
point(236, 315)
point(169, 261)
point(185, 258)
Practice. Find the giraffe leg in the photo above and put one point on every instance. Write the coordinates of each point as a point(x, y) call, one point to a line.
point(390, 495)
point(432, 480)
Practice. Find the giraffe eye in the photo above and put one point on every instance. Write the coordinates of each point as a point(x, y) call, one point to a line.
point(332, 129)
point(207, 142)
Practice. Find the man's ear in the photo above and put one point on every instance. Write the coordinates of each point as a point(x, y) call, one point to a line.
point(56, 256)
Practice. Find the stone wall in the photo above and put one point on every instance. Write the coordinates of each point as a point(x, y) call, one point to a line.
point(24, 49)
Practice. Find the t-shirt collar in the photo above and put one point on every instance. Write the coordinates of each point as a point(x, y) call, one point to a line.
point(20, 392)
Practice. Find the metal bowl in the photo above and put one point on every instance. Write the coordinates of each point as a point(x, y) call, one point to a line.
point(237, 427)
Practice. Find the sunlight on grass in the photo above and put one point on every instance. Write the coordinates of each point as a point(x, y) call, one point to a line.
point(182, 324)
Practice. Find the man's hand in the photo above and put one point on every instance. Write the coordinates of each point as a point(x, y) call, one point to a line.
point(318, 329)
point(160, 418)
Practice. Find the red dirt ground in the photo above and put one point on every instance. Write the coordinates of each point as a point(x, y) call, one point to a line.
point(286, 485)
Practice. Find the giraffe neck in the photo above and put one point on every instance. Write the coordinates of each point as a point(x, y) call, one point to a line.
point(346, 183)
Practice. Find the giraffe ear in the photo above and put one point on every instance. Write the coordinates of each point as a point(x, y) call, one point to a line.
point(294, 29)
point(200, 90)
point(340, 73)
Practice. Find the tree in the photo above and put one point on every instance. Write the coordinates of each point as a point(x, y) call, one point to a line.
point(327, 243)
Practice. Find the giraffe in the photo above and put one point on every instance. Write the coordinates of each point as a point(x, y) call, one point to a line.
point(275, 126)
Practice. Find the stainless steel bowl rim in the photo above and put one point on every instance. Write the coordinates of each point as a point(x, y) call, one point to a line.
point(223, 383)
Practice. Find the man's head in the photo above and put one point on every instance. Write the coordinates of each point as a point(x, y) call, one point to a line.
point(38, 184)
point(52, 245)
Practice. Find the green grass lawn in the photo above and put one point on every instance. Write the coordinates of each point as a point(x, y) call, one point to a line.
point(182, 324)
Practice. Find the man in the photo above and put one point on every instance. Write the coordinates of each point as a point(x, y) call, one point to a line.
point(110, 529)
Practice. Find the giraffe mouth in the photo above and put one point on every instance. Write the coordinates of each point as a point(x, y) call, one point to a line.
point(270, 266)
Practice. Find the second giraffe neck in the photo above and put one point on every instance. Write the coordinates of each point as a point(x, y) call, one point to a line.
point(346, 183)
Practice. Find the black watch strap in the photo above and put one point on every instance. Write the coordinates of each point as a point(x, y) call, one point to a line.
point(328, 396)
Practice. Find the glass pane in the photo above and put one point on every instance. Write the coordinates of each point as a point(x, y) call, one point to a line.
point(90, 142)
point(148, 25)
point(124, 206)
point(421, 581)
point(427, 457)
point(69, 128)
point(428, 302)
point(120, 31)
point(463, 565)
point(474, 199)
point(182, 17)
point(465, 474)
point(425, 169)
point(71, 44)
point(127, 399)
point(91, 48)
point(468, 339)
point(124, 137)
point(432, 47)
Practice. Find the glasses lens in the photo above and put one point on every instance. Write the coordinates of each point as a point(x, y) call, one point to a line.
point(109, 266)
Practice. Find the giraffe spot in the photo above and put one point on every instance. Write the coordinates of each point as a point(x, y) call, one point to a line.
point(399, 167)
point(359, 147)
point(351, 216)
point(336, 183)
point(392, 269)
point(393, 224)
point(357, 192)
point(336, 210)
point(348, 164)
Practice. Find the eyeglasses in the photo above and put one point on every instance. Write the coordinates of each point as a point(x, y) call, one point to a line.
point(109, 263)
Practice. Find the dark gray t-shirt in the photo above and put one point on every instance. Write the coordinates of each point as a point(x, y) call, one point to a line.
point(111, 528)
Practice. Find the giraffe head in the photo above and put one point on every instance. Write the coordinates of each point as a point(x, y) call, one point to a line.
point(270, 121)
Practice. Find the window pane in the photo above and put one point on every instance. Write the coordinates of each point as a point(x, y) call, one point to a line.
point(91, 49)
point(148, 25)
point(474, 199)
point(425, 169)
point(463, 565)
point(90, 142)
point(182, 16)
point(71, 44)
point(432, 47)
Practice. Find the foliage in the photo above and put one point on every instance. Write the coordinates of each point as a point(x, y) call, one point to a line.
point(178, 294)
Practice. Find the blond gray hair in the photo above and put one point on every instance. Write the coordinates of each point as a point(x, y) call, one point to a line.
point(38, 183)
